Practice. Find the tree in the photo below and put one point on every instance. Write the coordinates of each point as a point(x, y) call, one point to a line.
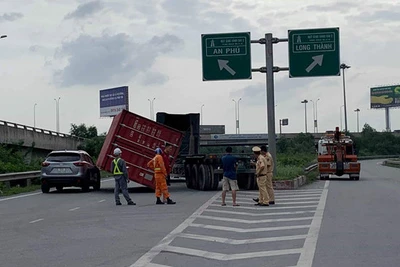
point(83, 131)
point(93, 143)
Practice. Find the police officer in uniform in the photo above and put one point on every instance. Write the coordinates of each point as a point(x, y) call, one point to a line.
point(261, 174)
point(270, 169)
point(118, 168)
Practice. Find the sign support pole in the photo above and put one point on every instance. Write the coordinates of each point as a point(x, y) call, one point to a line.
point(387, 119)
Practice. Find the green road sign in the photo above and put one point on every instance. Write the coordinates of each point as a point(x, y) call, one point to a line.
point(314, 52)
point(226, 56)
point(385, 96)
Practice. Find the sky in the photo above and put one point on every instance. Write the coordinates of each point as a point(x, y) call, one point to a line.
point(72, 49)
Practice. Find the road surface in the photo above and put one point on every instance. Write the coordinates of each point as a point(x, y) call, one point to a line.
point(328, 223)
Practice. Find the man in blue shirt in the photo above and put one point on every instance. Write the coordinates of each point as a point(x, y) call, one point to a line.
point(229, 177)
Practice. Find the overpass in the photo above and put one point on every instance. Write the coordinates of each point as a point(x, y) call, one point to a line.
point(30, 137)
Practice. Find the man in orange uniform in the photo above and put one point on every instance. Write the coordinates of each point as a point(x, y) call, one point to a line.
point(160, 173)
point(167, 162)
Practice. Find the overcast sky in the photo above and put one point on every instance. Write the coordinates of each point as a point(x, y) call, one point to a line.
point(72, 49)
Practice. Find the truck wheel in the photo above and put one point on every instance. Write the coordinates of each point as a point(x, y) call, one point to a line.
point(188, 176)
point(209, 182)
point(215, 181)
point(203, 177)
point(195, 176)
point(97, 182)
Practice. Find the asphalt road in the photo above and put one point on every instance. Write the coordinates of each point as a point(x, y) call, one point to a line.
point(334, 223)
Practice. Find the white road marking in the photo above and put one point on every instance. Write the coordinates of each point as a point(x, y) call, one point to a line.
point(157, 265)
point(227, 257)
point(253, 221)
point(242, 241)
point(77, 208)
point(279, 203)
point(280, 194)
point(246, 230)
point(259, 214)
point(107, 180)
point(279, 199)
point(146, 258)
point(21, 196)
point(35, 221)
point(307, 256)
point(264, 208)
point(102, 200)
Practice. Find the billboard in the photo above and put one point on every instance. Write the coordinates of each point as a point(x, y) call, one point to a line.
point(385, 96)
point(212, 129)
point(113, 101)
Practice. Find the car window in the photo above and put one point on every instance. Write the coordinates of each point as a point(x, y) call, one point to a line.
point(88, 159)
point(63, 157)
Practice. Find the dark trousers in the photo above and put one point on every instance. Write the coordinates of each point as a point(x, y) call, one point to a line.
point(121, 184)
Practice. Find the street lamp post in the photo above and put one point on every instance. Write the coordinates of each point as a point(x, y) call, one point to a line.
point(358, 119)
point(238, 120)
point(237, 115)
point(57, 114)
point(341, 117)
point(201, 114)
point(315, 114)
point(305, 101)
point(34, 115)
point(343, 67)
point(152, 108)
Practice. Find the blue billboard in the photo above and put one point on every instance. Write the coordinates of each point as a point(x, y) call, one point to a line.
point(113, 101)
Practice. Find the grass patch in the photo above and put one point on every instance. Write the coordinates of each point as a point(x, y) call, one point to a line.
point(18, 190)
point(288, 172)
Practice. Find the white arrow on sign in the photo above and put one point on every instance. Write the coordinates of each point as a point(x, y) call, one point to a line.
point(317, 61)
point(223, 64)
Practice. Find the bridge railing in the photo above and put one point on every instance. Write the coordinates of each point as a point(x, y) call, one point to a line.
point(28, 176)
point(38, 130)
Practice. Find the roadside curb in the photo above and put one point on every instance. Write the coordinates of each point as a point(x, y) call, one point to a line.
point(290, 184)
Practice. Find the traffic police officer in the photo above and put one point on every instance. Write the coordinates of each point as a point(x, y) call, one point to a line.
point(261, 174)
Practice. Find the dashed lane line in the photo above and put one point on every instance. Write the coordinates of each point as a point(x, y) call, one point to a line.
point(73, 209)
point(35, 221)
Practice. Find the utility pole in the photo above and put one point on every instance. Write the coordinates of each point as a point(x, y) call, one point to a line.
point(57, 114)
point(34, 115)
point(201, 114)
point(237, 115)
point(152, 108)
point(305, 101)
point(315, 114)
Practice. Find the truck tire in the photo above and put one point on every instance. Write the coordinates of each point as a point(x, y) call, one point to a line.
point(242, 181)
point(194, 176)
point(209, 183)
point(188, 176)
point(215, 181)
point(251, 182)
point(203, 177)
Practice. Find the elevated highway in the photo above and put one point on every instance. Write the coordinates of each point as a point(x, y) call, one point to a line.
point(30, 137)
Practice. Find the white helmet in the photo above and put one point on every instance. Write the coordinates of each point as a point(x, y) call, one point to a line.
point(117, 151)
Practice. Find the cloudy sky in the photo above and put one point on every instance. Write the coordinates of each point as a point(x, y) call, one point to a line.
point(72, 49)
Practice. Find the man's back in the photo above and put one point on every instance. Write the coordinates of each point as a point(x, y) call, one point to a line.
point(228, 165)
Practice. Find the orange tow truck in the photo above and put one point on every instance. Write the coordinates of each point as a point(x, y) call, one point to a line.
point(336, 156)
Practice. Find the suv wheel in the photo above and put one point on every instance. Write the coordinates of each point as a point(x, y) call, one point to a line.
point(45, 188)
point(97, 182)
point(59, 188)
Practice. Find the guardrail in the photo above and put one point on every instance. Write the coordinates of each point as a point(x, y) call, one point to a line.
point(393, 163)
point(28, 176)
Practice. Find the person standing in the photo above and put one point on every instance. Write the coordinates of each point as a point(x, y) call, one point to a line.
point(261, 174)
point(167, 161)
point(270, 171)
point(229, 176)
point(160, 172)
point(121, 177)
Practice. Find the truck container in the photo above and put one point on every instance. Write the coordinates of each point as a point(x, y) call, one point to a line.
point(202, 171)
point(138, 137)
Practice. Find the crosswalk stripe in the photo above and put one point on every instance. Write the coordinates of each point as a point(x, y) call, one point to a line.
point(253, 221)
point(258, 214)
point(266, 208)
point(247, 230)
point(242, 241)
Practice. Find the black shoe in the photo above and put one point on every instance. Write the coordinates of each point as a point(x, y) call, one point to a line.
point(159, 201)
point(169, 201)
point(272, 202)
point(258, 204)
point(264, 205)
point(131, 203)
point(256, 199)
point(118, 204)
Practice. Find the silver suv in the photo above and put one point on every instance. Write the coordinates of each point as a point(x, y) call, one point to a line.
point(69, 168)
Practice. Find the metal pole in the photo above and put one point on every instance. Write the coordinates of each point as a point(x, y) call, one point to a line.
point(236, 131)
point(313, 110)
point(305, 101)
point(238, 114)
point(387, 119)
point(341, 117)
point(343, 67)
point(316, 114)
point(280, 127)
point(57, 114)
point(358, 119)
point(201, 114)
point(34, 115)
point(152, 109)
point(151, 115)
point(269, 66)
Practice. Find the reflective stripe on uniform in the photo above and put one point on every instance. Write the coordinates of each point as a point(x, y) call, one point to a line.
point(116, 170)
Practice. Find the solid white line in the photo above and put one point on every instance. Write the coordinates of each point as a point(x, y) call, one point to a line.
point(102, 200)
point(227, 257)
point(156, 265)
point(146, 258)
point(35, 221)
point(253, 221)
point(307, 256)
point(242, 241)
point(279, 203)
point(264, 208)
point(252, 230)
point(21, 196)
point(77, 208)
point(258, 214)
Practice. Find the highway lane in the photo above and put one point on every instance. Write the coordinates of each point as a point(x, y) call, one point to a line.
point(361, 220)
point(87, 229)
